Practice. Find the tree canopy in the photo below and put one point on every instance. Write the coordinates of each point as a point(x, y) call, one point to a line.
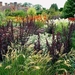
point(37, 7)
point(54, 6)
point(26, 4)
point(69, 9)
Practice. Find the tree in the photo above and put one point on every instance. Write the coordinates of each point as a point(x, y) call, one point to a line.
point(61, 9)
point(26, 4)
point(44, 11)
point(38, 7)
point(53, 14)
point(54, 6)
point(69, 9)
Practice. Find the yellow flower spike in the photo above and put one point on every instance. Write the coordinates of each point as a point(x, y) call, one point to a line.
point(0, 64)
point(8, 67)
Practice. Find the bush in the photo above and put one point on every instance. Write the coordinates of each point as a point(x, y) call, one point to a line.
point(19, 13)
point(31, 11)
point(7, 12)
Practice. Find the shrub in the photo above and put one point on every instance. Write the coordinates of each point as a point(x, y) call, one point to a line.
point(31, 11)
point(7, 12)
point(19, 13)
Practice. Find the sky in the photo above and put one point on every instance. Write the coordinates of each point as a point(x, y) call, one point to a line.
point(44, 3)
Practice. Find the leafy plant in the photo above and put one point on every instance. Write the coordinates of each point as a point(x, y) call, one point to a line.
point(2, 19)
point(73, 40)
point(20, 13)
point(60, 24)
point(31, 11)
point(39, 24)
point(7, 12)
point(67, 8)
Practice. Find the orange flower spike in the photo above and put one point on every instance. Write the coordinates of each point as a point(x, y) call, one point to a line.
point(24, 19)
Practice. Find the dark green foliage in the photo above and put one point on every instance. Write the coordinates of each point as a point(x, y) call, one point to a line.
point(61, 9)
point(38, 8)
point(73, 40)
point(20, 59)
point(7, 12)
point(39, 12)
point(54, 6)
point(26, 4)
point(69, 9)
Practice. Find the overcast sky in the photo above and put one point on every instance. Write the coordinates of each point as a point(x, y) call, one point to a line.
point(44, 3)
